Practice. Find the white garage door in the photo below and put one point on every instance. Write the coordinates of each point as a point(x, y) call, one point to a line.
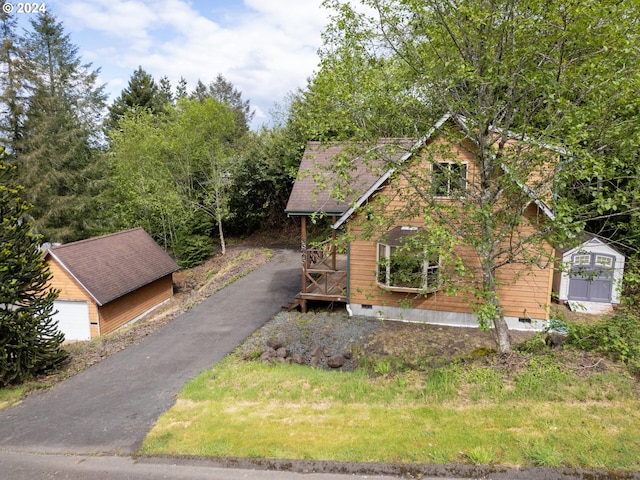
point(73, 319)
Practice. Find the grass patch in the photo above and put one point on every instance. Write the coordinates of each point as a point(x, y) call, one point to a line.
point(445, 415)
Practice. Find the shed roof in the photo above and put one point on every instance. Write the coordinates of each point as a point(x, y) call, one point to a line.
point(111, 266)
point(311, 192)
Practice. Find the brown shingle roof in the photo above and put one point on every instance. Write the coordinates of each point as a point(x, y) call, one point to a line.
point(111, 266)
point(308, 197)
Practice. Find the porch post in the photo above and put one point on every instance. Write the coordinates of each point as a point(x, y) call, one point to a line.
point(303, 247)
point(333, 244)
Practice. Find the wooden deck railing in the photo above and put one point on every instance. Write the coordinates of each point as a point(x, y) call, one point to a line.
point(326, 284)
point(323, 254)
point(324, 273)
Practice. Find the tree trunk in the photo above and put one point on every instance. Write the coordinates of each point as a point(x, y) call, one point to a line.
point(500, 327)
point(502, 335)
point(219, 219)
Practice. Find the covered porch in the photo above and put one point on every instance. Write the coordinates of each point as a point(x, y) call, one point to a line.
point(324, 271)
point(324, 268)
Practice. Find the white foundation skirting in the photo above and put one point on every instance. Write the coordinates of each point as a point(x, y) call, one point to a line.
point(436, 317)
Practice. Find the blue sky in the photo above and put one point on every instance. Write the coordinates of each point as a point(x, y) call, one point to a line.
point(266, 48)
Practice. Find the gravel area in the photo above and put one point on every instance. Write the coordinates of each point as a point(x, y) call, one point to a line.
point(332, 334)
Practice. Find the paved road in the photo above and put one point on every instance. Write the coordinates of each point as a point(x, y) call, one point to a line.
point(110, 407)
point(30, 466)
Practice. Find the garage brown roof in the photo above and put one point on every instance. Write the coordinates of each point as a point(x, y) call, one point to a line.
point(311, 192)
point(111, 266)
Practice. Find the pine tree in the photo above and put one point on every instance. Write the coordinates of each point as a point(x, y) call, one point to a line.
point(61, 135)
point(224, 91)
point(30, 342)
point(13, 75)
point(141, 92)
point(165, 95)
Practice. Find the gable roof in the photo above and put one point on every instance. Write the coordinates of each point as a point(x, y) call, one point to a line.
point(111, 266)
point(462, 122)
point(310, 196)
point(382, 179)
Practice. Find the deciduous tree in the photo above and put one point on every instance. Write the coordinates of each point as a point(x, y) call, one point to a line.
point(544, 73)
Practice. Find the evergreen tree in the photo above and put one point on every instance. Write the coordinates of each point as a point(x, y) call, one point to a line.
point(12, 76)
point(141, 92)
point(165, 96)
point(223, 91)
point(61, 134)
point(181, 89)
point(30, 342)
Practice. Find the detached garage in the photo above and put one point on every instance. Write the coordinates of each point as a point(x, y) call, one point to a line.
point(107, 282)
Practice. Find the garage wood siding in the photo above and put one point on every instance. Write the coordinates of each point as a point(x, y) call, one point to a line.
point(128, 307)
point(71, 290)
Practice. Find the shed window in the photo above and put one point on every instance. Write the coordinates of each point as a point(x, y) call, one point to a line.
point(582, 259)
point(604, 261)
point(403, 267)
point(448, 179)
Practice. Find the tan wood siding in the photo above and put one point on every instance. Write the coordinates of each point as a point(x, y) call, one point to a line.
point(70, 289)
point(525, 290)
point(124, 309)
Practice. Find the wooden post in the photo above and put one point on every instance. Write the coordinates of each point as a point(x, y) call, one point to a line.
point(333, 244)
point(303, 247)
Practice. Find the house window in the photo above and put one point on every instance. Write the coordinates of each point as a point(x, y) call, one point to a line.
point(448, 178)
point(402, 267)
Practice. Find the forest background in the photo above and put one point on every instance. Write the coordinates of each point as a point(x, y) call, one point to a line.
point(186, 166)
point(182, 164)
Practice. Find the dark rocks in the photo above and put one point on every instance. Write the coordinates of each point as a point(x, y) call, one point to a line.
point(268, 354)
point(297, 358)
point(336, 361)
point(555, 340)
point(274, 343)
point(321, 356)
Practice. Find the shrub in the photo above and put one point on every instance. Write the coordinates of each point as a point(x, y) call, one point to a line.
point(617, 336)
point(192, 250)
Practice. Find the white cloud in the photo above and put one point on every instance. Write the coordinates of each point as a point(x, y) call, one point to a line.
point(265, 48)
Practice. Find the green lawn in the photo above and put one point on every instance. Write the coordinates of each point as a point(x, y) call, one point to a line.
point(541, 416)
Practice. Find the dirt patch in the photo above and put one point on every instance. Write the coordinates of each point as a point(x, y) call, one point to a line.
point(414, 344)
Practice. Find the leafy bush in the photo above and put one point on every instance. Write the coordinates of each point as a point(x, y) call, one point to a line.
point(617, 336)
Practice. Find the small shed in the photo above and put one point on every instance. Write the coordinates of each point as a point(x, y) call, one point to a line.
point(109, 281)
point(590, 275)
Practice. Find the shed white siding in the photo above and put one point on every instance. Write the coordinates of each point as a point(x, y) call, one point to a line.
point(592, 253)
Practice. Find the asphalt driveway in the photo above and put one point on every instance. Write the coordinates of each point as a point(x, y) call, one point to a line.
point(110, 407)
